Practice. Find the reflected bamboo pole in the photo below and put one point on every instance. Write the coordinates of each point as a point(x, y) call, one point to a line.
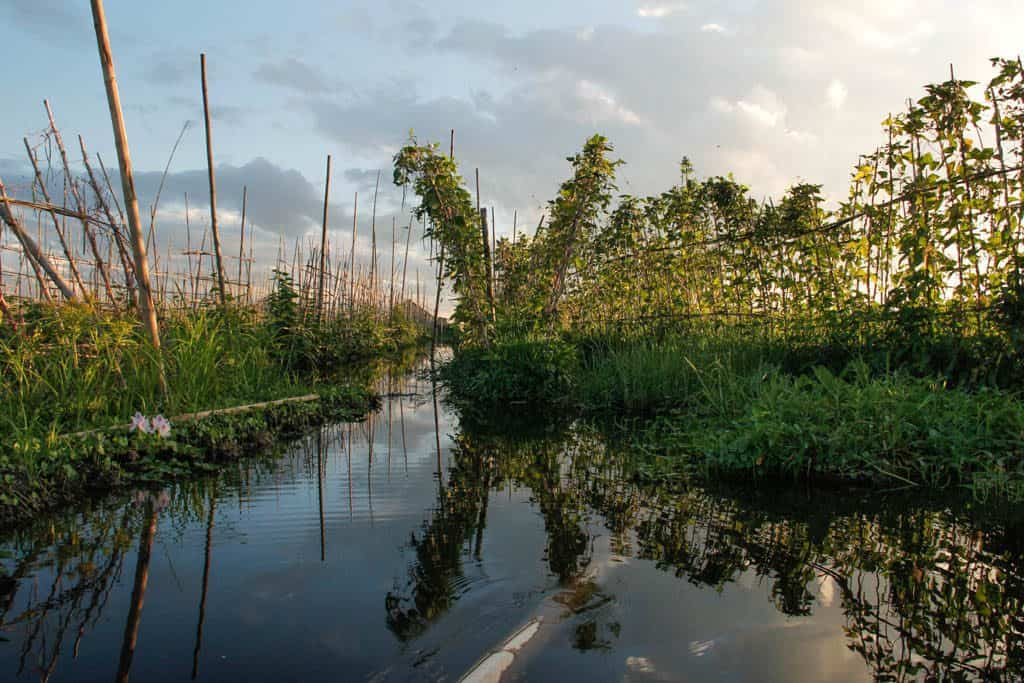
point(206, 582)
point(320, 489)
point(131, 629)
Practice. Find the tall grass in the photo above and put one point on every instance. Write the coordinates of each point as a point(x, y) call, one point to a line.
point(715, 404)
point(70, 367)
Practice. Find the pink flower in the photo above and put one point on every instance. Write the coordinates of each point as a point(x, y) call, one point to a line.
point(161, 426)
point(140, 423)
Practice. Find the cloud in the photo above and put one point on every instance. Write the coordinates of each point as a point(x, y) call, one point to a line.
point(836, 94)
point(661, 10)
point(48, 18)
point(602, 104)
point(295, 75)
point(712, 28)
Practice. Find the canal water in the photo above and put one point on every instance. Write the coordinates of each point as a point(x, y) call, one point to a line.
point(408, 547)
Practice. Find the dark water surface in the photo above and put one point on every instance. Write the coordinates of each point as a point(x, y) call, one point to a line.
point(366, 553)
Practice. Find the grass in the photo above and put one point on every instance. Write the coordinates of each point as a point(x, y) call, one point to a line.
point(724, 406)
point(69, 368)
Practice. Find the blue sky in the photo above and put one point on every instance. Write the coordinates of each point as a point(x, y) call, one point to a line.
point(773, 91)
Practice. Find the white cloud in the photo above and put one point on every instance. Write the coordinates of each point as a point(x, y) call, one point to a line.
point(763, 107)
point(603, 104)
point(712, 28)
point(585, 33)
point(836, 94)
point(660, 11)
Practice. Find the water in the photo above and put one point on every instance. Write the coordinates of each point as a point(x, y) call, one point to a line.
point(368, 553)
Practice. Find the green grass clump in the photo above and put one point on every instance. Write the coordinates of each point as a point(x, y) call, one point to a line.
point(525, 372)
point(716, 405)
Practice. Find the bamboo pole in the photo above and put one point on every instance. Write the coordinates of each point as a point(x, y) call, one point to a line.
point(36, 258)
point(488, 268)
point(213, 184)
point(79, 204)
point(53, 214)
point(146, 309)
point(352, 267)
point(241, 240)
point(405, 260)
point(323, 241)
point(391, 289)
point(373, 244)
point(122, 249)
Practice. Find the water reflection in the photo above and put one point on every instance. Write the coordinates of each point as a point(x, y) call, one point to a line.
point(278, 569)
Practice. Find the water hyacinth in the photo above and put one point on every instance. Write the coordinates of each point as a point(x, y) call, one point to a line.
point(140, 424)
point(161, 426)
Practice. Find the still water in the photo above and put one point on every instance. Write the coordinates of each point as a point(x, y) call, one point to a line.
point(407, 547)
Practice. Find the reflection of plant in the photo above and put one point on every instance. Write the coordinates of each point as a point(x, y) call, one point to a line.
point(923, 592)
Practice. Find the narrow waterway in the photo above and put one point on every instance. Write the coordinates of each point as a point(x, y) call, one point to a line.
point(407, 547)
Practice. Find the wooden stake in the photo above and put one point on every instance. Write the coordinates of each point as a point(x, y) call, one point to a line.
point(32, 251)
point(213, 184)
point(373, 243)
point(241, 240)
point(352, 267)
point(323, 241)
point(53, 214)
point(146, 309)
point(122, 249)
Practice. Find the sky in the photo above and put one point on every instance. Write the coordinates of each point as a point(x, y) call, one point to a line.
point(776, 92)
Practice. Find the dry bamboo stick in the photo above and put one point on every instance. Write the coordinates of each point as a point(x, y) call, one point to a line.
point(122, 248)
point(79, 204)
point(241, 239)
point(352, 267)
point(32, 251)
point(53, 214)
point(146, 309)
point(323, 240)
point(213, 184)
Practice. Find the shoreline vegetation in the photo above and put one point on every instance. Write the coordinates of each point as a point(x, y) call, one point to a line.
point(879, 342)
point(70, 372)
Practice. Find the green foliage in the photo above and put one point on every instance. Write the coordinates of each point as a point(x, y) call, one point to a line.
point(42, 473)
point(524, 373)
point(454, 225)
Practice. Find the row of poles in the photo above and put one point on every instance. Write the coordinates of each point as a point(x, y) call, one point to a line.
point(66, 275)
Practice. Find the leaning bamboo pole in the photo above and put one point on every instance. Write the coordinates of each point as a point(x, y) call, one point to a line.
point(31, 249)
point(115, 230)
point(147, 311)
point(213, 184)
point(53, 214)
point(80, 205)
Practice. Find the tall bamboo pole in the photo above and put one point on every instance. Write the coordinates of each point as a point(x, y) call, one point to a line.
point(213, 184)
point(147, 312)
point(373, 244)
point(241, 240)
point(391, 288)
point(352, 256)
point(323, 241)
